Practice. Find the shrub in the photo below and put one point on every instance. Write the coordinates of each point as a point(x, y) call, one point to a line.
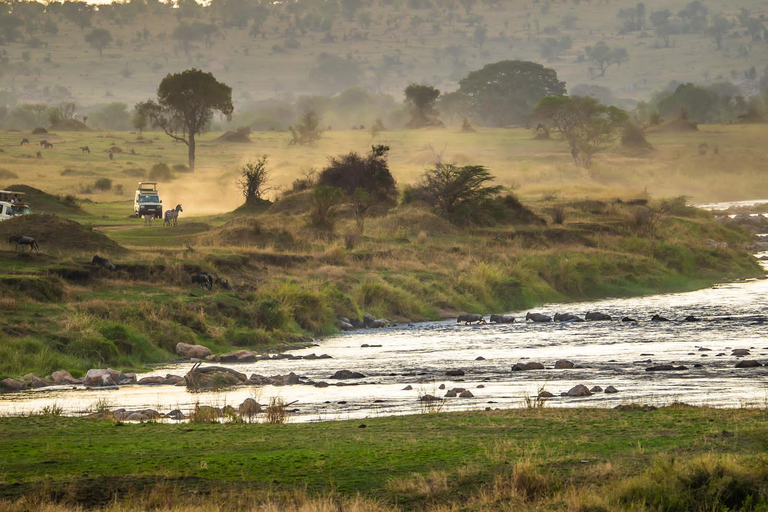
point(270, 314)
point(160, 172)
point(558, 214)
point(248, 337)
point(324, 201)
point(370, 173)
point(93, 349)
point(180, 168)
point(39, 130)
point(103, 184)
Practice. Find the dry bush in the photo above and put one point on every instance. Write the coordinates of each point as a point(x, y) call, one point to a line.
point(431, 485)
point(558, 214)
point(276, 412)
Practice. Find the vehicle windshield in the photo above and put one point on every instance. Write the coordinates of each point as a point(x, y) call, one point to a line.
point(21, 209)
point(148, 198)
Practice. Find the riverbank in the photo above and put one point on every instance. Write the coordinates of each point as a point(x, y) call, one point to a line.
point(632, 457)
point(282, 283)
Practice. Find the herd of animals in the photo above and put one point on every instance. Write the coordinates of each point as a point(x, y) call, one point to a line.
point(49, 145)
point(592, 316)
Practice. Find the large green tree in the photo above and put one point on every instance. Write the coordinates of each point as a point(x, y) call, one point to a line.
point(185, 105)
point(420, 100)
point(506, 92)
point(586, 124)
point(603, 56)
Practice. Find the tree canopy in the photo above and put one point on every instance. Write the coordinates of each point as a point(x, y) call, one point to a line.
point(586, 124)
point(506, 92)
point(420, 100)
point(99, 38)
point(185, 105)
point(370, 173)
point(603, 56)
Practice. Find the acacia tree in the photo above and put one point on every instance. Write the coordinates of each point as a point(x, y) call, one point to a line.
point(99, 38)
point(586, 124)
point(460, 194)
point(603, 56)
point(185, 105)
point(421, 103)
point(719, 28)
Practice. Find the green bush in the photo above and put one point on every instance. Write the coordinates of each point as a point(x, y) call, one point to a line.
point(250, 338)
point(94, 348)
point(160, 172)
point(270, 314)
point(103, 184)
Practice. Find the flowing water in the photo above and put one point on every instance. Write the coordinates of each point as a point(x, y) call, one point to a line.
point(609, 353)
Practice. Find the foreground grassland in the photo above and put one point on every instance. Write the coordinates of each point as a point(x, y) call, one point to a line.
point(676, 458)
point(293, 281)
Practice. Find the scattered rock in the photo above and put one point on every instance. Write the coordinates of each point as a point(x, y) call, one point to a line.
point(213, 378)
point(480, 386)
point(12, 385)
point(442, 386)
point(100, 378)
point(346, 374)
point(156, 380)
point(545, 394)
point(34, 381)
point(665, 368)
point(346, 326)
point(704, 349)
point(249, 407)
point(527, 366)
point(429, 398)
point(579, 390)
point(479, 358)
point(241, 356)
point(176, 414)
point(740, 352)
point(454, 373)
point(466, 394)
point(192, 351)
point(748, 363)
point(63, 377)
point(596, 389)
point(611, 390)
point(563, 364)
point(408, 388)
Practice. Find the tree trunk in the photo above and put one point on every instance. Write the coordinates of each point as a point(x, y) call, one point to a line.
point(191, 152)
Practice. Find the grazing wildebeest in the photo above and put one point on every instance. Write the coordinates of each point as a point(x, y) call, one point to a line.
point(203, 279)
point(24, 141)
point(24, 240)
point(103, 262)
point(470, 319)
point(111, 156)
point(47, 145)
point(502, 319)
point(85, 149)
point(596, 316)
point(223, 283)
point(43, 143)
point(567, 317)
point(39, 155)
point(659, 318)
point(538, 317)
point(172, 216)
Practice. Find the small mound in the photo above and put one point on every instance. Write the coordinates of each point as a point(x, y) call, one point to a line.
point(39, 130)
point(254, 207)
point(70, 125)
point(413, 221)
point(679, 125)
point(247, 231)
point(42, 202)
point(517, 213)
point(292, 204)
point(56, 234)
point(5, 174)
point(240, 135)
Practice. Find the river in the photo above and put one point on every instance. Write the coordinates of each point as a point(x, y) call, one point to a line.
point(610, 353)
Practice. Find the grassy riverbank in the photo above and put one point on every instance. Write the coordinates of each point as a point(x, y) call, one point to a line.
point(673, 458)
point(574, 235)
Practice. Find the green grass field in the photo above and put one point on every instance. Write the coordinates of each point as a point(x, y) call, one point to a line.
point(673, 458)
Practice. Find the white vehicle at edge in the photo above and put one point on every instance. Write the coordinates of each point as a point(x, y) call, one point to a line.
point(12, 204)
point(146, 200)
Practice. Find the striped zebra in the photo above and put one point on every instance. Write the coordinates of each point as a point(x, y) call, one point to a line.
point(172, 216)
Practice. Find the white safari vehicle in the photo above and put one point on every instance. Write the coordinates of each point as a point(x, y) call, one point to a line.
point(146, 201)
point(12, 204)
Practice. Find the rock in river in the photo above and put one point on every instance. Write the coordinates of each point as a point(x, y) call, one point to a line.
point(347, 374)
point(192, 351)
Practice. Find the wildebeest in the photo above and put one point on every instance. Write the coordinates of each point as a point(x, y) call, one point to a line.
point(47, 145)
point(43, 143)
point(85, 149)
point(223, 283)
point(172, 216)
point(567, 317)
point(24, 141)
point(502, 319)
point(111, 156)
point(203, 279)
point(39, 155)
point(538, 317)
point(596, 316)
point(659, 318)
point(470, 319)
point(24, 240)
point(103, 262)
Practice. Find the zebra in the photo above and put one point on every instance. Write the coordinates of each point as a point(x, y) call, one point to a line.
point(171, 216)
point(148, 218)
